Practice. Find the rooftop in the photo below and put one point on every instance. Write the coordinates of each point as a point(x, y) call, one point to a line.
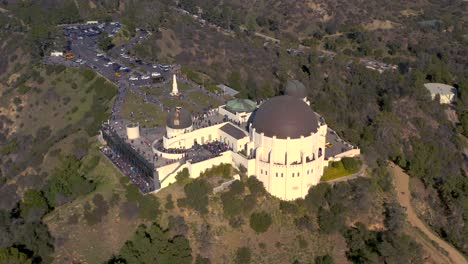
point(227, 90)
point(234, 131)
point(440, 88)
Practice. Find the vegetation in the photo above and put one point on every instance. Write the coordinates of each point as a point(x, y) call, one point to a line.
point(183, 176)
point(243, 255)
point(105, 42)
point(366, 246)
point(388, 115)
point(260, 221)
point(342, 168)
point(154, 245)
point(196, 193)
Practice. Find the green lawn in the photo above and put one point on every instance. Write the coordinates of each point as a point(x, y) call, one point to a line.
point(152, 91)
point(337, 170)
point(147, 114)
point(172, 102)
point(203, 100)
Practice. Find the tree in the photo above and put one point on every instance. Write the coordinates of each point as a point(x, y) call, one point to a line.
point(196, 193)
point(255, 186)
point(105, 42)
point(202, 260)
point(394, 217)
point(260, 221)
point(13, 256)
point(326, 259)
point(169, 203)
point(243, 255)
point(153, 245)
point(351, 164)
point(34, 205)
point(183, 176)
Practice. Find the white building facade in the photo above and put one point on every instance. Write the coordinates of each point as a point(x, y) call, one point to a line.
point(282, 143)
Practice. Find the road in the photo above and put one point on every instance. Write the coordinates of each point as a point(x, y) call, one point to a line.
point(401, 180)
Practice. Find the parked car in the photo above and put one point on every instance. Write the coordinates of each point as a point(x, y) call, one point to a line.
point(145, 77)
point(133, 78)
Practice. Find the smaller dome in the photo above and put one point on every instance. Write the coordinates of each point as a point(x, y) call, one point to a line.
point(179, 118)
point(241, 105)
point(295, 88)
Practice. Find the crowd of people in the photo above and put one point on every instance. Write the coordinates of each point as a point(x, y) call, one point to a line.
point(159, 146)
point(145, 184)
point(216, 147)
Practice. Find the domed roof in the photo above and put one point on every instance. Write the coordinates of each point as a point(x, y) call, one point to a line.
point(285, 116)
point(296, 88)
point(241, 105)
point(179, 118)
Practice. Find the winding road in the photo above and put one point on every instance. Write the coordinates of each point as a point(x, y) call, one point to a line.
point(401, 180)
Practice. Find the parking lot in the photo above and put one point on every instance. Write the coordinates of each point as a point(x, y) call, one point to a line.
point(118, 66)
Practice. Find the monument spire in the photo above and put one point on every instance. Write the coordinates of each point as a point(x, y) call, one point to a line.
point(175, 91)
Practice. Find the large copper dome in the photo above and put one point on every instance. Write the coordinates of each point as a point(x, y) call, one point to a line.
point(285, 116)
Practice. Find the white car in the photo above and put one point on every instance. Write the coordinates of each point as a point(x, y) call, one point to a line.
point(155, 66)
point(78, 60)
point(145, 77)
point(99, 55)
point(133, 78)
point(110, 63)
point(106, 65)
point(155, 74)
point(83, 62)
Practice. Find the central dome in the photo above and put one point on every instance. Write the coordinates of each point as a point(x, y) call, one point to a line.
point(283, 117)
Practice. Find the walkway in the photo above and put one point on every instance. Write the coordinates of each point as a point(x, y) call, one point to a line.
point(401, 180)
point(353, 176)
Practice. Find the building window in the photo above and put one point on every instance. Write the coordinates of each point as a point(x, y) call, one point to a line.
point(209, 138)
point(293, 175)
point(298, 174)
point(261, 172)
point(281, 175)
point(266, 172)
point(276, 174)
point(307, 172)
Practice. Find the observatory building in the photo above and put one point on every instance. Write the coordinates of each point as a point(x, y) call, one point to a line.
point(281, 142)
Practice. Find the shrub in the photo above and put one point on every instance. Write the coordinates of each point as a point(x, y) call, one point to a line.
point(288, 207)
point(243, 255)
point(169, 203)
point(196, 193)
point(236, 188)
point(326, 259)
point(183, 176)
point(255, 186)
point(351, 164)
point(249, 203)
point(260, 221)
point(17, 101)
point(23, 89)
point(232, 205)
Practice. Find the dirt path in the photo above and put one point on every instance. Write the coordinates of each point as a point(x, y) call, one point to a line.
point(401, 180)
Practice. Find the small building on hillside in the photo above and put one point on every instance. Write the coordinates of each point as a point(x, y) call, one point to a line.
point(227, 90)
point(56, 53)
point(446, 92)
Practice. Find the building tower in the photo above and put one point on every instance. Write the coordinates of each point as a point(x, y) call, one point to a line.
point(175, 91)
